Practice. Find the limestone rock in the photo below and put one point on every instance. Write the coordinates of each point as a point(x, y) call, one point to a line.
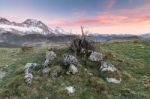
point(106, 66)
point(96, 57)
point(28, 78)
point(31, 65)
point(28, 72)
point(50, 56)
point(72, 69)
point(112, 74)
point(70, 89)
point(113, 80)
point(70, 59)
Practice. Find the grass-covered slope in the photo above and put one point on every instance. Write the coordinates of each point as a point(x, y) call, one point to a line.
point(131, 58)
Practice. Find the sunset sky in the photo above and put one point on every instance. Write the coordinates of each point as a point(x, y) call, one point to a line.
point(98, 16)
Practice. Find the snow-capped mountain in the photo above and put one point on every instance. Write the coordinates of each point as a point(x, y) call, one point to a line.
point(29, 26)
point(4, 21)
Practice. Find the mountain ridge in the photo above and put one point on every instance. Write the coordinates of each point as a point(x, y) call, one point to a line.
point(29, 26)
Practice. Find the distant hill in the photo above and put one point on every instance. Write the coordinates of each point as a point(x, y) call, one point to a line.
point(145, 36)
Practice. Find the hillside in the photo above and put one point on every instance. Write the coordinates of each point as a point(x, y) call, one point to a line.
point(130, 57)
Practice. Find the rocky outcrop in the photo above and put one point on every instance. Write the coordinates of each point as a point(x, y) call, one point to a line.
point(50, 56)
point(107, 66)
point(70, 59)
point(96, 57)
point(110, 72)
point(28, 72)
point(72, 63)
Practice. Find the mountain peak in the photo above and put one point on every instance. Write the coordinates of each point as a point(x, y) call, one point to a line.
point(29, 26)
point(4, 21)
point(33, 22)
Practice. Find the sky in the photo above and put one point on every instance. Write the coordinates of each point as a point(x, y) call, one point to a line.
point(97, 16)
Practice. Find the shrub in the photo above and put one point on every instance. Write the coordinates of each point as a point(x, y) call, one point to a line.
point(82, 46)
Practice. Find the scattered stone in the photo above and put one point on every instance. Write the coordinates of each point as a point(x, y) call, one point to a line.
point(70, 59)
point(50, 56)
point(113, 80)
point(31, 65)
point(72, 69)
point(96, 57)
point(70, 89)
point(28, 78)
point(111, 72)
point(28, 72)
point(106, 66)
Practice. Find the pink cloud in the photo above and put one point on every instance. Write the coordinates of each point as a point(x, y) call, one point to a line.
point(136, 15)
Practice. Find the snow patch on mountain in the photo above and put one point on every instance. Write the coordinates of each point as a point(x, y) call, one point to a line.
point(20, 28)
point(29, 26)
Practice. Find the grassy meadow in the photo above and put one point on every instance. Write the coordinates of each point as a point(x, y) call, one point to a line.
point(132, 58)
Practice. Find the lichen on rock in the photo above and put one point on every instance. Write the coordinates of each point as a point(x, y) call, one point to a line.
point(70, 59)
point(50, 56)
point(96, 57)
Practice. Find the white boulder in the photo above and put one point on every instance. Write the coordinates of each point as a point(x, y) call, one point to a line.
point(96, 57)
point(113, 80)
point(70, 89)
point(72, 69)
point(106, 66)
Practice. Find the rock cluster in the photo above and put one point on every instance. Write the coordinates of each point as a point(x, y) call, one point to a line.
point(72, 62)
point(50, 56)
point(110, 71)
point(28, 72)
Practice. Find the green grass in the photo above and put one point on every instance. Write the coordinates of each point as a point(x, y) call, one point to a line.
point(131, 58)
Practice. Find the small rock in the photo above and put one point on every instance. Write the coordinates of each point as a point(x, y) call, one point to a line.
point(50, 56)
point(106, 66)
point(73, 69)
point(111, 72)
point(113, 80)
point(96, 57)
point(70, 89)
point(70, 59)
point(28, 78)
point(31, 65)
